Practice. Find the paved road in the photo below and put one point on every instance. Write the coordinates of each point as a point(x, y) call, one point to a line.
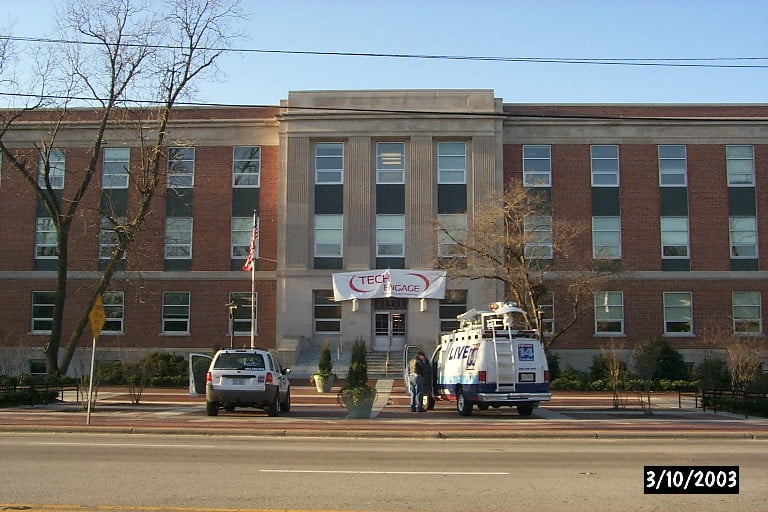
point(87, 472)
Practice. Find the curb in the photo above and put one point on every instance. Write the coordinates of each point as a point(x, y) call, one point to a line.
point(352, 433)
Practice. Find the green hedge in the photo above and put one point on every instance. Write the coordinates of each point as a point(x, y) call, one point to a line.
point(11, 396)
point(573, 380)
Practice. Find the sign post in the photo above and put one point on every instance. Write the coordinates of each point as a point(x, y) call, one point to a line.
point(97, 318)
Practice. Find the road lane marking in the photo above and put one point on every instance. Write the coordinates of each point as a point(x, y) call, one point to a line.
point(351, 472)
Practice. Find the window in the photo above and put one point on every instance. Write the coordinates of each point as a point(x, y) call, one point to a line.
point(747, 315)
point(606, 238)
point(329, 236)
point(547, 312)
point(537, 166)
point(115, 168)
point(605, 166)
point(454, 304)
point(329, 163)
point(609, 313)
point(108, 237)
point(674, 237)
point(46, 239)
point(56, 167)
point(453, 230)
point(390, 162)
point(672, 166)
point(242, 232)
point(181, 167)
point(677, 313)
point(743, 236)
point(178, 238)
point(327, 312)
point(246, 167)
point(241, 316)
point(113, 309)
point(37, 367)
point(451, 162)
point(538, 236)
point(175, 312)
point(42, 312)
point(740, 165)
point(390, 235)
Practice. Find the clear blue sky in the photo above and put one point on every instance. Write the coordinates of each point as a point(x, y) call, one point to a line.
point(547, 28)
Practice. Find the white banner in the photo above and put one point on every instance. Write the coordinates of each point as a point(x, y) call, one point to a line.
point(372, 284)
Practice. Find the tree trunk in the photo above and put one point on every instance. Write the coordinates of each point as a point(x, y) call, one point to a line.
point(51, 350)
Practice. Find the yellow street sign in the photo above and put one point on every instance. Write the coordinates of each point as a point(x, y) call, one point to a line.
point(97, 317)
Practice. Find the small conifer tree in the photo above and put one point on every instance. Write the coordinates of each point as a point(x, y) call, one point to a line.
point(324, 365)
point(357, 377)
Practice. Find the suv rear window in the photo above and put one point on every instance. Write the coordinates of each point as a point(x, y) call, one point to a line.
point(239, 362)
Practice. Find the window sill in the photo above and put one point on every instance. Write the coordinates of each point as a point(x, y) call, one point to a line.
point(610, 335)
point(175, 334)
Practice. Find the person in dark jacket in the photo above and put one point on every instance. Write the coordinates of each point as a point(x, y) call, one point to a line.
point(418, 372)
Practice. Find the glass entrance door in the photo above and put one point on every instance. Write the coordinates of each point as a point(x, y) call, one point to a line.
point(389, 330)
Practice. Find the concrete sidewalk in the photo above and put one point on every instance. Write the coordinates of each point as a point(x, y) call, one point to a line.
point(569, 414)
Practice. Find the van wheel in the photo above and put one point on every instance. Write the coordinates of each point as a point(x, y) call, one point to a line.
point(273, 407)
point(463, 405)
point(211, 408)
point(483, 407)
point(525, 409)
point(285, 406)
point(429, 402)
point(229, 407)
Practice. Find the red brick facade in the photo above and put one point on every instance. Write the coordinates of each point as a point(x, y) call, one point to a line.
point(210, 278)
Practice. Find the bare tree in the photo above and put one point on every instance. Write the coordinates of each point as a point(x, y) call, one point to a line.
point(513, 238)
point(132, 64)
point(743, 354)
point(616, 368)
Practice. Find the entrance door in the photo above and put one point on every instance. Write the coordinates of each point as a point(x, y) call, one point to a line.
point(389, 330)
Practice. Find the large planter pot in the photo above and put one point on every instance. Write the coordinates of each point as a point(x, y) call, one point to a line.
point(359, 401)
point(324, 383)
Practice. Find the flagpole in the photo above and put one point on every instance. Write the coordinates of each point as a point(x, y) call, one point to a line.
point(253, 291)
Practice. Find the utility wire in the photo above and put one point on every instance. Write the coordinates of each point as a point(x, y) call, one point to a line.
point(705, 62)
point(298, 108)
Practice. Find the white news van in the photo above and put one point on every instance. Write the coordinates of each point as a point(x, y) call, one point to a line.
point(489, 362)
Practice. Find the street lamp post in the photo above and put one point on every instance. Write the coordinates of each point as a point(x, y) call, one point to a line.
point(539, 325)
point(231, 307)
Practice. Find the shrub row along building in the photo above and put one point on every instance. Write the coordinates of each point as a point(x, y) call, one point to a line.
point(352, 181)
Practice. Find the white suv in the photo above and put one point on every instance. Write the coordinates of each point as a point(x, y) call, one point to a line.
point(240, 378)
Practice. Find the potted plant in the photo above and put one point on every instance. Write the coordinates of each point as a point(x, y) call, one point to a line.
point(356, 394)
point(324, 376)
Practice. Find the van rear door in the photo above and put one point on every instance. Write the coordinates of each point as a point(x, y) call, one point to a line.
point(530, 365)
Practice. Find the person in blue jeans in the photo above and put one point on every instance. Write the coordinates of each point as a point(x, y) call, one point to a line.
point(418, 369)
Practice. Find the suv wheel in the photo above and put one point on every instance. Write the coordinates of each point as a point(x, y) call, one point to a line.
point(285, 405)
point(211, 408)
point(273, 407)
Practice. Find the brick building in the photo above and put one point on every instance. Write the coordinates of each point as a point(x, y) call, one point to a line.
point(352, 181)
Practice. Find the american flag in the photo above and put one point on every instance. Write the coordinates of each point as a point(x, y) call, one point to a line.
point(248, 266)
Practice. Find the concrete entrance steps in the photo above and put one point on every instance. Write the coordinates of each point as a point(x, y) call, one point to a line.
point(385, 364)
